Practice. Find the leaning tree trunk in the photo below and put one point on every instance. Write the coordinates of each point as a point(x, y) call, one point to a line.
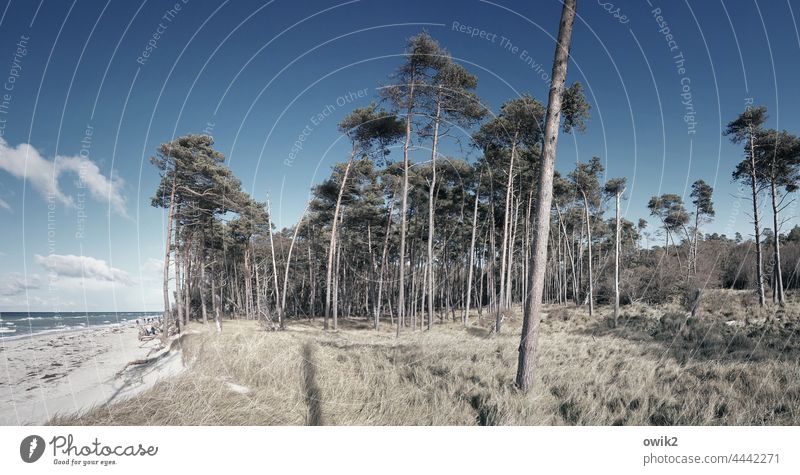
point(275, 268)
point(378, 302)
point(536, 275)
point(282, 309)
point(777, 295)
point(472, 252)
point(332, 246)
point(757, 224)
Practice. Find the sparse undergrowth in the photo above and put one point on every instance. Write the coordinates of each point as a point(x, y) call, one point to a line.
point(646, 371)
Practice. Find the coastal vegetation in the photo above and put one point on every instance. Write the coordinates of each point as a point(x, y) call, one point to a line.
point(490, 291)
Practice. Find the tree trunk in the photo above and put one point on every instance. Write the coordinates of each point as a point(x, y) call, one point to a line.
point(568, 245)
point(278, 299)
point(694, 243)
point(282, 310)
point(616, 263)
point(756, 224)
point(533, 306)
point(482, 264)
point(472, 252)
point(378, 302)
point(777, 295)
point(431, 208)
point(401, 297)
point(332, 246)
point(248, 280)
point(504, 245)
point(510, 257)
point(168, 248)
point(216, 303)
point(589, 243)
point(338, 252)
point(203, 288)
point(186, 283)
point(312, 282)
point(178, 289)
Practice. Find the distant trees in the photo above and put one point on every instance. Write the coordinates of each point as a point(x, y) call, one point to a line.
point(451, 102)
point(586, 179)
point(516, 127)
point(366, 127)
point(703, 210)
point(563, 195)
point(423, 55)
point(669, 209)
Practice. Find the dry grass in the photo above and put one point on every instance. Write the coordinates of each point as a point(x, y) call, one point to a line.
point(649, 370)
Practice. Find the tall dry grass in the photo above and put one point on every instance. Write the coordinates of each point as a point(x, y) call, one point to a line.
point(651, 369)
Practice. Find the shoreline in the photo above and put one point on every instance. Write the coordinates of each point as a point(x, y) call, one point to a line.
point(80, 327)
point(56, 373)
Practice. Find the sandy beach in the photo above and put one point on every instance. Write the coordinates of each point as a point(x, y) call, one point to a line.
point(68, 372)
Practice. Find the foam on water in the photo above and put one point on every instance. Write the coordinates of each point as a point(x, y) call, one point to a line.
point(21, 324)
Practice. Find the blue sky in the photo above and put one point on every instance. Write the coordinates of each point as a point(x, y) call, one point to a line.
point(254, 75)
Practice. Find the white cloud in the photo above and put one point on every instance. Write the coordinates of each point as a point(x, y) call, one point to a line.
point(15, 283)
point(4, 204)
point(83, 267)
point(25, 162)
point(153, 267)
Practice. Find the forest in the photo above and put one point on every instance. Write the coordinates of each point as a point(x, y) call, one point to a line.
point(493, 245)
point(449, 270)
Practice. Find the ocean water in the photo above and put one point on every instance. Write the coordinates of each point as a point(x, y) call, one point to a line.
point(21, 324)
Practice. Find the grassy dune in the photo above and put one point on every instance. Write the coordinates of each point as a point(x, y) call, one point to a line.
point(652, 369)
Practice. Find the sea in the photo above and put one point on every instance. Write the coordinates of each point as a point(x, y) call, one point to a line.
point(22, 324)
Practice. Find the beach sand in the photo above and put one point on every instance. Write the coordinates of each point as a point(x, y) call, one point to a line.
point(68, 372)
